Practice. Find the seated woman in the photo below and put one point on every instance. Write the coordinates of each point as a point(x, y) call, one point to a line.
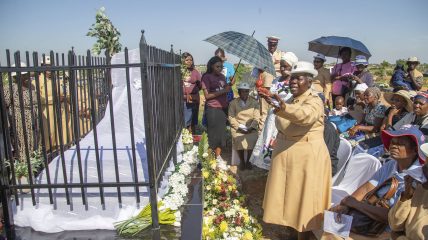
point(409, 216)
point(374, 113)
point(243, 118)
point(356, 105)
point(403, 145)
point(419, 116)
point(401, 105)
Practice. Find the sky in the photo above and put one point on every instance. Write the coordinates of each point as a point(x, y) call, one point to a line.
point(391, 29)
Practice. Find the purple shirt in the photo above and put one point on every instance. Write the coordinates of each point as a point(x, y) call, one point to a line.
point(341, 69)
point(214, 83)
point(190, 84)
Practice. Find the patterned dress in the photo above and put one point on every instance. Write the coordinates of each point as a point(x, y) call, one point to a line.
point(30, 120)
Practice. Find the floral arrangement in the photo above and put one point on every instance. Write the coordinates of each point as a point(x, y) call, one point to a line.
point(187, 137)
point(225, 216)
point(169, 205)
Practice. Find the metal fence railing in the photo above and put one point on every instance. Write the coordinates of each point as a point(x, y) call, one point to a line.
point(48, 108)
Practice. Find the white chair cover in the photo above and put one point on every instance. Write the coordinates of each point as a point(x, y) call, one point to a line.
point(343, 154)
point(359, 170)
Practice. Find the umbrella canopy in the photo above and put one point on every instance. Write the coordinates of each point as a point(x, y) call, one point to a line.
point(331, 45)
point(245, 47)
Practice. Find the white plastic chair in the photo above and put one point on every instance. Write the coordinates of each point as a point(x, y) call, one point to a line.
point(343, 154)
point(360, 169)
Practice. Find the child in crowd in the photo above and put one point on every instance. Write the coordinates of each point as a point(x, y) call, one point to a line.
point(339, 109)
point(398, 78)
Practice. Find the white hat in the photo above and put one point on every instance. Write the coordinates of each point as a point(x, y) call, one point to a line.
point(290, 58)
point(320, 56)
point(244, 85)
point(413, 59)
point(273, 39)
point(361, 87)
point(304, 67)
point(361, 60)
point(47, 60)
point(22, 65)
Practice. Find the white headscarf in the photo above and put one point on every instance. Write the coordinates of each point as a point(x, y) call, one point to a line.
point(290, 58)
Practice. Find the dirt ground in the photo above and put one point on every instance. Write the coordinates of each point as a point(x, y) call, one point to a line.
point(253, 185)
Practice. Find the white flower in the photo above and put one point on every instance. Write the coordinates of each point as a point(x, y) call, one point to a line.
point(177, 224)
point(205, 155)
point(215, 201)
point(238, 229)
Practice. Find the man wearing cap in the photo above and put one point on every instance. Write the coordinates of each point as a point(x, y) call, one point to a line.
point(243, 118)
point(298, 189)
point(415, 77)
point(322, 82)
point(275, 52)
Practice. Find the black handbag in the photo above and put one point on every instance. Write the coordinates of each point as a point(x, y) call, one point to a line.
point(363, 224)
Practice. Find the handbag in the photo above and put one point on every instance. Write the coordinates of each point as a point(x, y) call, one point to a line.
point(363, 224)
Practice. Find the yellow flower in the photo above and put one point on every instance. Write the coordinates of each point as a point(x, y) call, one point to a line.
point(217, 188)
point(223, 226)
point(247, 236)
point(229, 188)
point(213, 166)
point(205, 174)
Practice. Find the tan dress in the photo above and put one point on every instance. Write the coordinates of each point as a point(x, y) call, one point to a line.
point(247, 115)
point(264, 106)
point(49, 113)
point(322, 82)
point(411, 216)
point(298, 186)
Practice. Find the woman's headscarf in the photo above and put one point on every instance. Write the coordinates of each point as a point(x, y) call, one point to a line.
point(375, 92)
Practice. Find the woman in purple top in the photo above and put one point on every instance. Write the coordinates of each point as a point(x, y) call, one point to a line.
point(341, 73)
point(191, 86)
point(215, 91)
point(362, 75)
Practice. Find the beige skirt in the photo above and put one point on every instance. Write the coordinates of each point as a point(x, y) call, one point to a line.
point(298, 189)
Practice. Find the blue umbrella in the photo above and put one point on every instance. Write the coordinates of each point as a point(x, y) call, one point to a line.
point(245, 47)
point(330, 46)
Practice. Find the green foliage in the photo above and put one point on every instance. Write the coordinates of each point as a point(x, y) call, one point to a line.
point(242, 71)
point(107, 35)
point(401, 61)
point(5, 78)
point(20, 167)
point(203, 145)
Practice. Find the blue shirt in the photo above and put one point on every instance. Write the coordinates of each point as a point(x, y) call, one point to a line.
point(388, 170)
point(228, 71)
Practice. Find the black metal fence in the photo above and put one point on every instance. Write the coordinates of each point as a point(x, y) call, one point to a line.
point(48, 108)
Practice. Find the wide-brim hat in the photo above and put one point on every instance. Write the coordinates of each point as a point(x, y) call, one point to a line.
point(304, 67)
point(13, 74)
point(403, 93)
point(407, 130)
point(413, 59)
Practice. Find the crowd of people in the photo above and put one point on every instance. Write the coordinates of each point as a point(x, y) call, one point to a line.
point(292, 124)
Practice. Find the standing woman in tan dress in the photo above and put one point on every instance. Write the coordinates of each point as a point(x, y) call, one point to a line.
point(243, 117)
point(298, 186)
